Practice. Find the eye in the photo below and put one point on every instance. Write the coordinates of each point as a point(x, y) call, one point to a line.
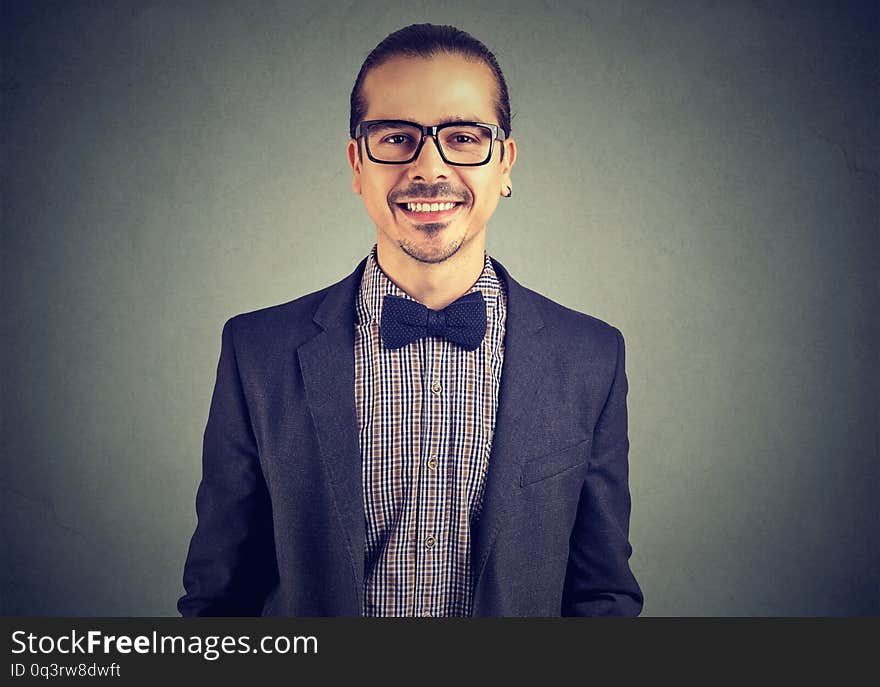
point(464, 138)
point(396, 139)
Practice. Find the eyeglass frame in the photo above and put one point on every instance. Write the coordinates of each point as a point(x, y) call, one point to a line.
point(498, 134)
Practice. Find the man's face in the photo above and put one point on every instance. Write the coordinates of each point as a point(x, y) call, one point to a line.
point(431, 91)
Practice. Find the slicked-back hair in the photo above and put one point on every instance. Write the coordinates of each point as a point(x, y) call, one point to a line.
point(428, 40)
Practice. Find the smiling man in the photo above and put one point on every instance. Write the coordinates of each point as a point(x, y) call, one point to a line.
point(426, 437)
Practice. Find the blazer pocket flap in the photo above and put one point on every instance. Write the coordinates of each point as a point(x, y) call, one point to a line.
point(552, 464)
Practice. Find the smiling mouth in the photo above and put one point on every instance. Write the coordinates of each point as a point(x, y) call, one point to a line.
point(425, 214)
point(418, 208)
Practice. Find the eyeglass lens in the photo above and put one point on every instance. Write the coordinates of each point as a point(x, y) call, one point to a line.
point(394, 142)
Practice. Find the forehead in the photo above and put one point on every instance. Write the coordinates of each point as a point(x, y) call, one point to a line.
point(429, 90)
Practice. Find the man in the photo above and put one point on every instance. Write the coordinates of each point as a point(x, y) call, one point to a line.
point(426, 437)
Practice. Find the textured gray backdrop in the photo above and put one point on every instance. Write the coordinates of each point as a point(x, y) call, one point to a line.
point(703, 175)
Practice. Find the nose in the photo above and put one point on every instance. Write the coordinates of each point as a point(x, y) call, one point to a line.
point(429, 164)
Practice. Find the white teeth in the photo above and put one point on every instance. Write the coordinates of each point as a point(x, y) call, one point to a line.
point(429, 207)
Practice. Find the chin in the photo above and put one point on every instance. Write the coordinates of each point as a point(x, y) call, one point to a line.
point(429, 251)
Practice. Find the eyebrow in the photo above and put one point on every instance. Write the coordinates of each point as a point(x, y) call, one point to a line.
point(452, 120)
point(445, 120)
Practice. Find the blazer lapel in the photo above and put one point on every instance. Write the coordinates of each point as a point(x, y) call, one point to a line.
point(521, 376)
point(327, 364)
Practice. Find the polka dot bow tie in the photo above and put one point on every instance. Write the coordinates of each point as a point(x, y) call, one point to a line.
point(463, 322)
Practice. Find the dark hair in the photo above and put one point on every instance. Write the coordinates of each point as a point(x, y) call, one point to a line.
point(427, 40)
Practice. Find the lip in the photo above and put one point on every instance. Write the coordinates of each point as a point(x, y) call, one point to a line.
point(429, 217)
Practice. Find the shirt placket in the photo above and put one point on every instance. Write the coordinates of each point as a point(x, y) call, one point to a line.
point(431, 485)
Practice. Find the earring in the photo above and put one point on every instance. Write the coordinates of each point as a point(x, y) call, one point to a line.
point(509, 192)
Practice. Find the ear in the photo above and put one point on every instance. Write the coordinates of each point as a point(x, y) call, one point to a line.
point(354, 160)
point(507, 163)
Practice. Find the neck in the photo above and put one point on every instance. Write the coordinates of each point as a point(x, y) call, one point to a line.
point(433, 284)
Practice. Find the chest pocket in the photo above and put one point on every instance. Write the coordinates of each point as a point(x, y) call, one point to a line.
point(546, 466)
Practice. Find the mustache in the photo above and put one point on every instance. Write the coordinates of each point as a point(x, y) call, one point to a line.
point(441, 190)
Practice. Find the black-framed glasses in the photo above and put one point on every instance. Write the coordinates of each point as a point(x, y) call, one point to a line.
point(398, 142)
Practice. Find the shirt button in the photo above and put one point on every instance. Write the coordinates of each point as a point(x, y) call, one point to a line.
point(436, 388)
point(430, 541)
point(432, 463)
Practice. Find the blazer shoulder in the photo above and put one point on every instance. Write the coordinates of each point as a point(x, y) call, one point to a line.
point(287, 324)
point(573, 324)
point(574, 333)
point(274, 317)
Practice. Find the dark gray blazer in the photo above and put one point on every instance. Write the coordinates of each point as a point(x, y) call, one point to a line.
point(281, 508)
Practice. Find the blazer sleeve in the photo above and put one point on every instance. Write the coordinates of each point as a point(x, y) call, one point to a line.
point(598, 578)
point(231, 560)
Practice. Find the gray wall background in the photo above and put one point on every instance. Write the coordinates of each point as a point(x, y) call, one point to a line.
point(704, 175)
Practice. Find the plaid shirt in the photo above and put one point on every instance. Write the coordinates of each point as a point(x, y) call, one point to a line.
point(426, 413)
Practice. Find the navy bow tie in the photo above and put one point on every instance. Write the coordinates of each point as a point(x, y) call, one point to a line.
point(463, 322)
